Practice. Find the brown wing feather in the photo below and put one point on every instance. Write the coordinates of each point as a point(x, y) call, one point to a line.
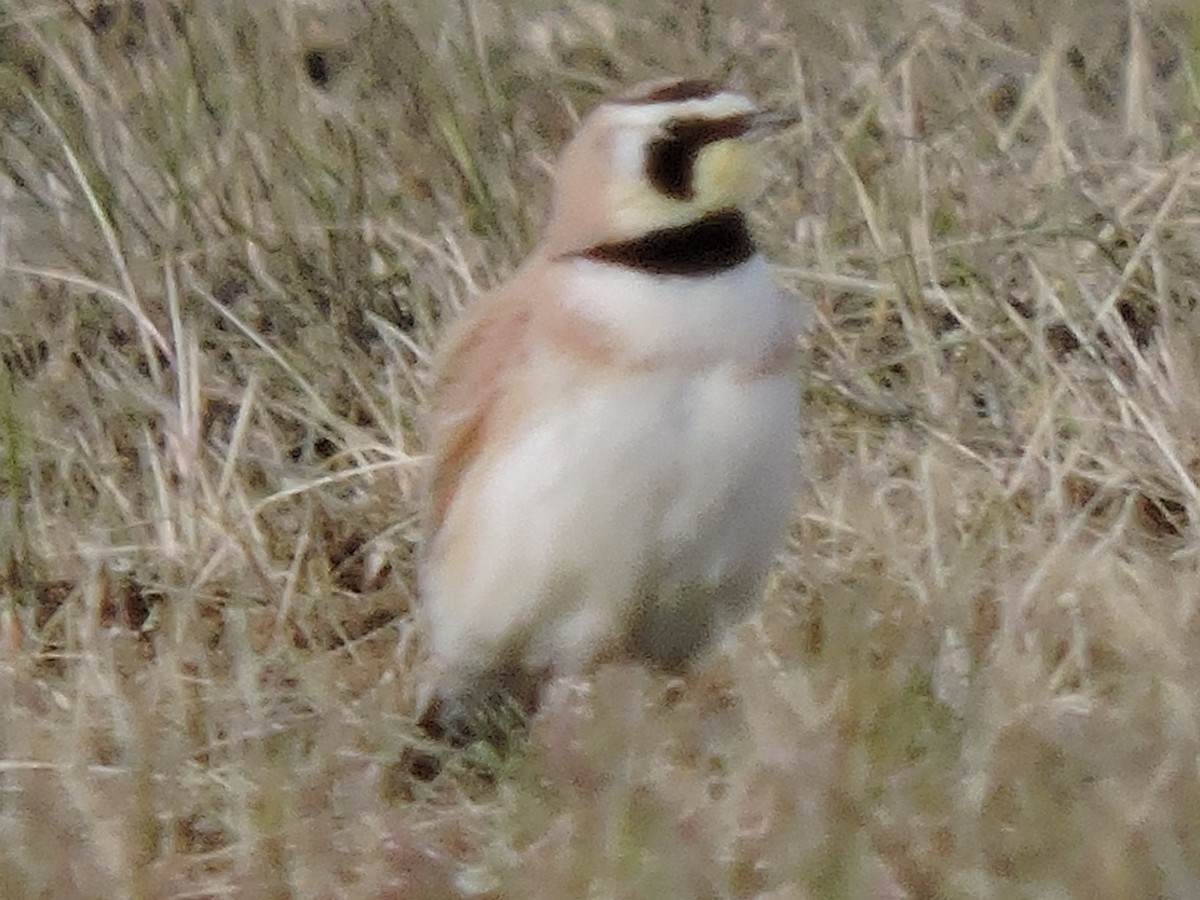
point(471, 380)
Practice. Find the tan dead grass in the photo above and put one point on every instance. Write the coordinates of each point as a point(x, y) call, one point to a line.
point(229, 236)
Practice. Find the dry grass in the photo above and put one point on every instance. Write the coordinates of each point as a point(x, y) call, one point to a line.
point(229, 233)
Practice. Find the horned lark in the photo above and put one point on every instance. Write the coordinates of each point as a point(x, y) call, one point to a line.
point(613, 430)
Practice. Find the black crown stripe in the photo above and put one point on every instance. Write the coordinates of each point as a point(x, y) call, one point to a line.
point(675, 92)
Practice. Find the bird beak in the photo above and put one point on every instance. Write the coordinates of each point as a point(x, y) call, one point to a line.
point(767, 122)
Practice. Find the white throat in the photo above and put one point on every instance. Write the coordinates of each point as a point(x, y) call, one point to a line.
point(735, 313)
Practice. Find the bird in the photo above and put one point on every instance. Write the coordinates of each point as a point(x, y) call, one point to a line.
point(613, 430)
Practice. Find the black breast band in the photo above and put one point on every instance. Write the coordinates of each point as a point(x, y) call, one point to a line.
point(713, 244)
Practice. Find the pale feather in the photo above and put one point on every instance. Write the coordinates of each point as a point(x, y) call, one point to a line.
point(602, 440)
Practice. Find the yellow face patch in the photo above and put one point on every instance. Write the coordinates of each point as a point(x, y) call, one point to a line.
point(724, 176)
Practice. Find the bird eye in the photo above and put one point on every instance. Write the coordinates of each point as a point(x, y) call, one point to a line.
point(669, 163)
point(671, 157)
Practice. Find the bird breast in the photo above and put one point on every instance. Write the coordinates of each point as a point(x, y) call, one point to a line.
point(662, 468)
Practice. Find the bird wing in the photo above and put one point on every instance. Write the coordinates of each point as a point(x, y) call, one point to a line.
point(474, 374)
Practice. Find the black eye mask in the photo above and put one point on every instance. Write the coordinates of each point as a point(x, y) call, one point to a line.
point(671, 159)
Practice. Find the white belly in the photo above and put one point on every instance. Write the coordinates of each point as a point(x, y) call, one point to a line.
point(654, 503)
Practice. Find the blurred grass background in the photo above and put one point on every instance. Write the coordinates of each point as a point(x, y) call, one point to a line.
point(230, 233)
